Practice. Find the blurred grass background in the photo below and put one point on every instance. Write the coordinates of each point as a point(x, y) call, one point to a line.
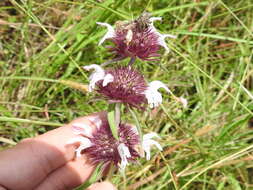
point(207, 146)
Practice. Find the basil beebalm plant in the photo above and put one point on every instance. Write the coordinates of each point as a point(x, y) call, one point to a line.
point(115, 142)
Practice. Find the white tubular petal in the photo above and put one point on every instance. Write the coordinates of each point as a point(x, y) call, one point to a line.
point(147, 151)
point(158, 84)
point(84, 143)
point(152, 19)
point(96, 67)
point(153, 96)
point(109, 34)
point(161, 40)
point(148, 142)
point(81, 129)
point(150, 136)
point(161, 37)
point(96, 76)
point(78, 152)
point(153, 142)
point(124, 154)
point(169, 36)
point(81, 148)
point(107, 79)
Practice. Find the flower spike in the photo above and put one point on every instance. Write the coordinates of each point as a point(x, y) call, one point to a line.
point(136, 39)
point(153, 96)
point(148, 142)
point(109, 34)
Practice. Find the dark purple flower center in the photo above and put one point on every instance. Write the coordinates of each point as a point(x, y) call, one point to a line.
point(127, 87)
point(105, 147)
point(141, 44)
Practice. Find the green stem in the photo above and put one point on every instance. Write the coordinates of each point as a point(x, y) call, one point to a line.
point(113, 111)
point(96, 175)
point(111, 61)
point(132, 60)
point(110, 172)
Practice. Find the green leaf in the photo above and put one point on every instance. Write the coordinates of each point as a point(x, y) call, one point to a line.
point(94, 177)
point(112, 121)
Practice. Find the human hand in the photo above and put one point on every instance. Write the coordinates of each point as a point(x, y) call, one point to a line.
point(47, 163)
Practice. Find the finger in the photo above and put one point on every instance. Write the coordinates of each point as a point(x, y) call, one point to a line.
point(2, 188)
point(69, 176)
point(35, 158)
point(102, 186)
point(58, 139)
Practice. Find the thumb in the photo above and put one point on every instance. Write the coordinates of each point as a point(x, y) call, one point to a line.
point(102, 186)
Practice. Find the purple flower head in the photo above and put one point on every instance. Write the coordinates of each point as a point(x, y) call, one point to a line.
point(128, 86)
point(105, 148)
point(99, 145)
point(137, 38)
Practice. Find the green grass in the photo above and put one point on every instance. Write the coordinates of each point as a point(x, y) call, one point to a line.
point(206, 146)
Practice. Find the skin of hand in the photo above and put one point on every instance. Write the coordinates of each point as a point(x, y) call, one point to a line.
point(46, 162)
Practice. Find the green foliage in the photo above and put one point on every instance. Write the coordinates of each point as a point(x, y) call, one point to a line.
point(111, 116)
point(206, 146)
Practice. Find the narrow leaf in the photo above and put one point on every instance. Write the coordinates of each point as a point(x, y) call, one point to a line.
point(112, 121)
point(96, 175)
